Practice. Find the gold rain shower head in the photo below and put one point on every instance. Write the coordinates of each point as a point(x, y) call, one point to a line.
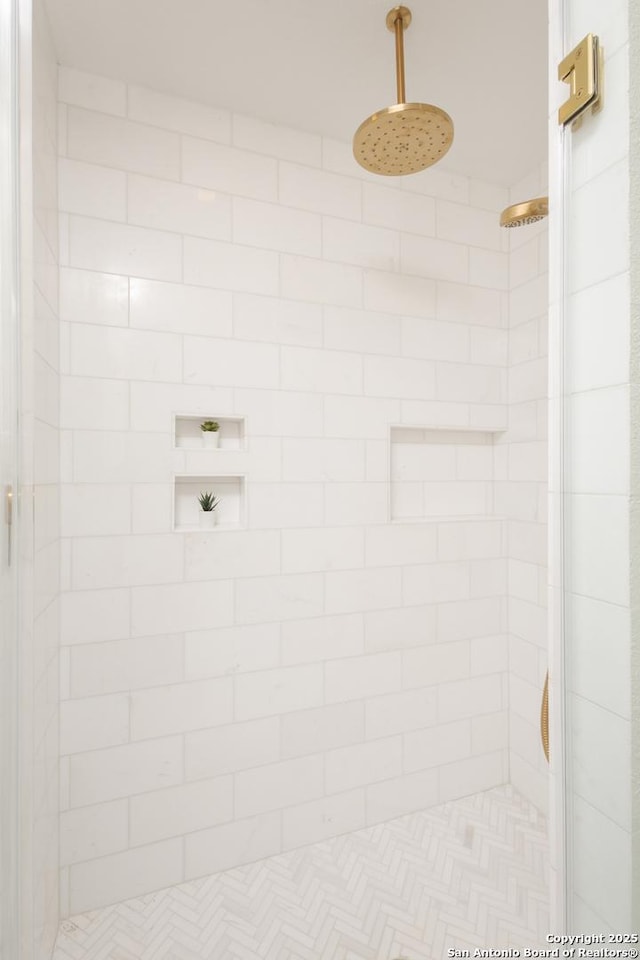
point(406, 137)
point(522, 214)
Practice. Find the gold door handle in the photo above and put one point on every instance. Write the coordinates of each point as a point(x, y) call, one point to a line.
point(544, 717)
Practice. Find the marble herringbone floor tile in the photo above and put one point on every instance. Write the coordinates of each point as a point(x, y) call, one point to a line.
point(471, 873)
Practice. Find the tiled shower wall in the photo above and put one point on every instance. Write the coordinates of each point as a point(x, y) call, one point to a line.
point(233, 694)
point(522, 497)
point(39, 504)
point(600, 558)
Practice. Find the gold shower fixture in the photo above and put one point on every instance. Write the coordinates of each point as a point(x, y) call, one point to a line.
point(407, 137)
point(544, 717)
point(522, 214)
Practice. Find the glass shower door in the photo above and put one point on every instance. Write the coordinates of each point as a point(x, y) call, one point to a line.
point(9, 824)
point(591, 236)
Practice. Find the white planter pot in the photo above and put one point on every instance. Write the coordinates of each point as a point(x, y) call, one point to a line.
point(208, 519)
point(210, 439)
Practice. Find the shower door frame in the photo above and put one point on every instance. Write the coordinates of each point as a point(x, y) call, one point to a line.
point(10, 824)
point(559, 166)
point(562, 252)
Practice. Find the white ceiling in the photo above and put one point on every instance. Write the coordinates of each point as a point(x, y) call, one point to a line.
point(325, 65)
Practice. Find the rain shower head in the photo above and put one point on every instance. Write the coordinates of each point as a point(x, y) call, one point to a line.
point(522, 214)
point(406, 137)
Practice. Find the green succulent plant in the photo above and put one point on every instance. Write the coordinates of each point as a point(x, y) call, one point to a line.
point(208, 501)
point(210, 426)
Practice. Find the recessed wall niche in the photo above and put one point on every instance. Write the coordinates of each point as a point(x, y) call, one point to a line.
point(230, 513)
point(188, 435)
point(440, 473)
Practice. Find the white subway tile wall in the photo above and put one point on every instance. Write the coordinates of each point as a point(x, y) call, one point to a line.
point(39, 546)
point(522, 480)
point(254, 690)
point(597, 500)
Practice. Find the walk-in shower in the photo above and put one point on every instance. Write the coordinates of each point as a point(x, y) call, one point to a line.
point(361, 715)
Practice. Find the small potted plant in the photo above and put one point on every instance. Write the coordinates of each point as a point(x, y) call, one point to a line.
point(208, 503)
point(210, 430)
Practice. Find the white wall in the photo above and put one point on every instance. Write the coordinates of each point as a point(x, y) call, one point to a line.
point(592, 498)
point(39, 501)
point(230, 695)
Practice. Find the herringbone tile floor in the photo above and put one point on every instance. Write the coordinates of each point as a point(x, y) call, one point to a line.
point(471, 873)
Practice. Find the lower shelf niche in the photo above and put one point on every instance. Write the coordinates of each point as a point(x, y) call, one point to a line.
point(440, 473)
point(229, 512)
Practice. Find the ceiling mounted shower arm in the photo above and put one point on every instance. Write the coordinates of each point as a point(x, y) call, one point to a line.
point(398, 20)
point(407, 137)
point(399, 29)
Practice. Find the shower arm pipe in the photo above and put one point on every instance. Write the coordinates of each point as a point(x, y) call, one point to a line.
point(398, 27)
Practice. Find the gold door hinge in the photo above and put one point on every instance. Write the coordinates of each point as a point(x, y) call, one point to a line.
point(582, 70)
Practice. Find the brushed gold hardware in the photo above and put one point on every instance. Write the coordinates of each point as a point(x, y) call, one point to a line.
point(521, 214)
point(398, 20)
point(582, 70)
point(544, 717)
point(398, 14)
point(406, 137)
